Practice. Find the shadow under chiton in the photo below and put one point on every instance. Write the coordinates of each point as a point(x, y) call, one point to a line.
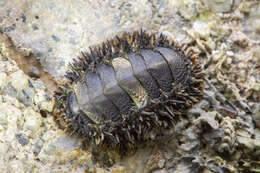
point(121, 90)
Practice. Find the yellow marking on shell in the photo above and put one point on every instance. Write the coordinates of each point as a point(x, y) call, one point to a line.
point(131, 85)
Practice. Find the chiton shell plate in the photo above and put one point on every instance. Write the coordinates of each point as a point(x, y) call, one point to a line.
point(122, 89)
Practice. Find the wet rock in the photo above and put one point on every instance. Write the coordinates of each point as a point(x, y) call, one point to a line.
point(34, 72)
point(3, 148)
point(9, 28)
point(2, 80)
point(188, 7)
point(250, 166)
point(219, 5)
point(251, 25)
point(67, 143)
point(161, 171)
point(3, 120)
point(33, 120)
point(201, 28)
point(250, 144)
point(63, 145)
point(228, 140)
point(217, 164)
point(206, 140)
point(10, 90)
point(17, 166)
point(188, 165)
point(44, 101)
point(37, 147)
point(22, 139)
point(26, 96)
point(204, 104)
point(9, 115)
point(87, 161)
point(18, 86)
point(189, 146)
point(256, 115)
point(156, 161)
point(55, 38)
point(195, 112)
point(18, 80)
point(208, 119)
point(226, 111)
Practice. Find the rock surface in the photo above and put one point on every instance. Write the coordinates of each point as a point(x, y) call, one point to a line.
point(220, 134)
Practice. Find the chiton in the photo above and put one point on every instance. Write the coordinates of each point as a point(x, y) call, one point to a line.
point(121, 90)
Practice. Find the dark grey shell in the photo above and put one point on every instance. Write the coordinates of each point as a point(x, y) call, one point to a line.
point(125, 88)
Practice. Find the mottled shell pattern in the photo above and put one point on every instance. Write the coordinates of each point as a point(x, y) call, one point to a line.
point(121, 90)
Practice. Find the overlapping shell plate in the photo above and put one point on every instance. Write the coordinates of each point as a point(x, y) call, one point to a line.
point(125, 88)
